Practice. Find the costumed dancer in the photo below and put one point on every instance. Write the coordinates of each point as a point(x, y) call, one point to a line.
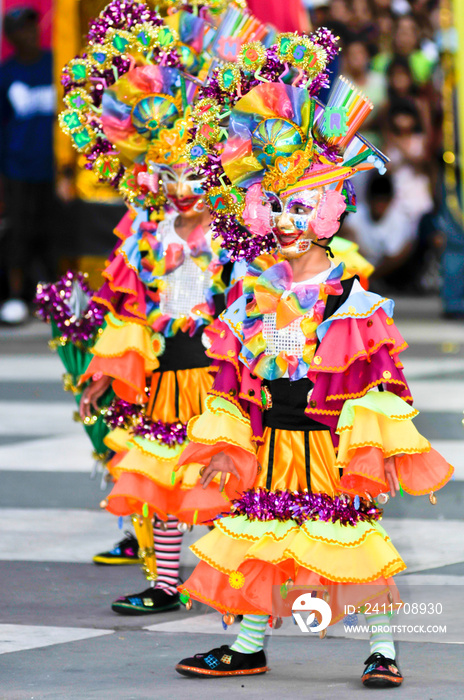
point(123, 36)
point(309, 417)
point(165, 285)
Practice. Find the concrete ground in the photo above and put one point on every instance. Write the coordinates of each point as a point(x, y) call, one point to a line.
point(58, 636)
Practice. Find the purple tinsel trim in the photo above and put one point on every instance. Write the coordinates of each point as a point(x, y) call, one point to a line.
point(328, 41)
point(121, 414)
point(53, 299)
point(120, 14)
point(264, 505)
point(169, 434)
point(238, 241)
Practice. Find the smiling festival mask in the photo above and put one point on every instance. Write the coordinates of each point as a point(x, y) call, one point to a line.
point(299, 219)
point(281, 141)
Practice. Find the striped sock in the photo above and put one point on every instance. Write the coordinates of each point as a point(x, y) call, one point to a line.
point(251, 635)
point(381, 639)
point(167, 549)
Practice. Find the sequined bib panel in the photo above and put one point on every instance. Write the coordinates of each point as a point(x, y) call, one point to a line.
point(290, 339)
point(184, 288)
point(187, 285)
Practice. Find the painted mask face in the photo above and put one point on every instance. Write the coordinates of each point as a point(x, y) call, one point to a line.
point(183, 188)
point(292, 217)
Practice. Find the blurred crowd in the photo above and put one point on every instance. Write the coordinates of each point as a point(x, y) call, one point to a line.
point(389, 50)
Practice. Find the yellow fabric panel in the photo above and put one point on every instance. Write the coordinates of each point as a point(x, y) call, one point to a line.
point(192, 384)
point(89, 188)
point(66, 44)
point(159, 470)
point(117, 440)
point(288, 471)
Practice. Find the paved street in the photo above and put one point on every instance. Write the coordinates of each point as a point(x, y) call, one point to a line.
point(58, 636)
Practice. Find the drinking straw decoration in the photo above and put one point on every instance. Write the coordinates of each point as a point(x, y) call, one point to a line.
point(239, 27)
point(347, 108)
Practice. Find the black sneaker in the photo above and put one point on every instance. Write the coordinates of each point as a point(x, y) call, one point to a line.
point(125, 552)
point(149, 602)
point(381, 672)
point(223, 662)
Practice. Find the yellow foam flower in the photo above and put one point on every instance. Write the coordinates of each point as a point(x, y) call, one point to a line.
point(236, 579)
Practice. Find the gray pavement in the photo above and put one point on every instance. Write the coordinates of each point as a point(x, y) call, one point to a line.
point(138, 665)
point(58, 636)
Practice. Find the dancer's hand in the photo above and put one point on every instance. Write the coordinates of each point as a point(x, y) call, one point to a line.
point(92, 392)
point(392, 475)
point(220, 464)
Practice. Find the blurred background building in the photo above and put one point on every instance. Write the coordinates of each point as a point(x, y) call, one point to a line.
point(404, 54)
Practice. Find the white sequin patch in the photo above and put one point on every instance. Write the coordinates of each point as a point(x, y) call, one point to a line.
point(184, 288)
point(290, 339)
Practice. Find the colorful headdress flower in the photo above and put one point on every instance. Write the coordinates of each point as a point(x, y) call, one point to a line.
point(277, 136)
point(129, 92)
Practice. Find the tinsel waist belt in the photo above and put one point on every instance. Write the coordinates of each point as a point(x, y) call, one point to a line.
point(289, 401)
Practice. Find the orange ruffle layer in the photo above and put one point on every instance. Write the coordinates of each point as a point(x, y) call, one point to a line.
point(262, 592)
point(419, 474)
point(192, 506)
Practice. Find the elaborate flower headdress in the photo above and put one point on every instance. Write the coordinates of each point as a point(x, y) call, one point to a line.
point(128, 94)
point(275, 134)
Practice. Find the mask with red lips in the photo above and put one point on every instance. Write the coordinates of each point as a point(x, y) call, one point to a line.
point(304, 216)
point(183, 190)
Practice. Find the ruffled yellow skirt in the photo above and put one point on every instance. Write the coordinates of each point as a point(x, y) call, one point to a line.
point(244, 563)
point(145, 474)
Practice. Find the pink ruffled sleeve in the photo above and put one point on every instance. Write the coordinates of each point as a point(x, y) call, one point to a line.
point(232, 421)
point(355, 356)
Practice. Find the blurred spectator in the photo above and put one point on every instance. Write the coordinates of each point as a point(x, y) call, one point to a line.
point(422, 12)
point(381, 227)
point(361, 24)
point(401, 86)
point(398, 7)
point(27, 112)
point(355, 66)
point(339, 18)
point(385, 23)
point(407, 42)
point(406, 146)
point(389, 51)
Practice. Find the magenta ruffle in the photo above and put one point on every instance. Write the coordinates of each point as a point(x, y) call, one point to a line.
point(233, 380)
point(354, 356)
point(123, 293)
point(332, 390)
point(351, 339)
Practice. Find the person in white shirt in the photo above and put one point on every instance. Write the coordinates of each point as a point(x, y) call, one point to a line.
point(382, 227)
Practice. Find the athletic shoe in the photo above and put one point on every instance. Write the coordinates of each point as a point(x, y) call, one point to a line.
point(125, 552)
point(381, 672)
point(149, 602)
point(223, 662)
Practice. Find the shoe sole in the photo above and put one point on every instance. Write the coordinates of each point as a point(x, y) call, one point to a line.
point(126, 609)
point(120, 561)
point(382, 682)
point(201, 673)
